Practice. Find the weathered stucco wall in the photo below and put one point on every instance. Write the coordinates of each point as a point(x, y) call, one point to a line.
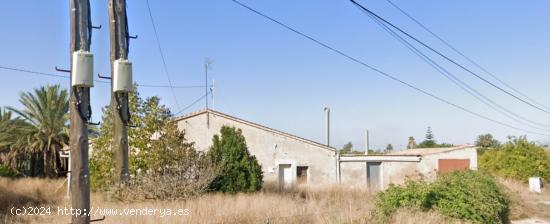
point(353, 173)
point(398, 172)
point(398, 168)
point(270, 148)
point(273, 148)
point(429, 164)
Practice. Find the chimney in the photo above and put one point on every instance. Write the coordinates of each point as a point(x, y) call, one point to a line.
point(327, 126)
point(367, 142)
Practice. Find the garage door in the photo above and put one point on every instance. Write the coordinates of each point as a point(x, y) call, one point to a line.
point(449, 165)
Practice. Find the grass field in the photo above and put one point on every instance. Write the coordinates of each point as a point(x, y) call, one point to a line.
point(322, 205)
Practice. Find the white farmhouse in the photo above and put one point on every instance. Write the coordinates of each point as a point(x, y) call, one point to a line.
point(288, 159)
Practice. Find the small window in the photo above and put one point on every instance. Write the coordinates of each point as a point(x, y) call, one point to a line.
point(301, 174)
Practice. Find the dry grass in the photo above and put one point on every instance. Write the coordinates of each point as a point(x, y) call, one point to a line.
point(318, 205)
point(526, 204)
point(413, 216)
point(28, 192)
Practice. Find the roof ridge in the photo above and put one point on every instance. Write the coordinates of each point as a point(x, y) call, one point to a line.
point(202, 111)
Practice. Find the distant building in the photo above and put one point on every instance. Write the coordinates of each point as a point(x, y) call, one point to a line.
point(288, 159)
point(378, 171)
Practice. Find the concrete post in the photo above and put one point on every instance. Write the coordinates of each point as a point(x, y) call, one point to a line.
point(367, 146)
point(327, 126)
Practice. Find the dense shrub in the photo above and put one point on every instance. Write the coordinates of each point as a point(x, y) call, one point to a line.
point(517, 159)
point(150, 116)
point(471, 195)
point(416, 194)
point(467, 195)
point(5, 171)
point(176, 170)
point(239, 171)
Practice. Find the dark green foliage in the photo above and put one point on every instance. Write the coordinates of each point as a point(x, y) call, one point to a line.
point(38, 134)
point(389, 148)
point(466, 195)
point(175, 170)
point(411, 143)
point(347, 148)
point(239, 171)
point(150, 116)
point(375, 152)
point(487, 141)
point(430, 142)
point(517, 159)
point(411, 194)
point(5, 171)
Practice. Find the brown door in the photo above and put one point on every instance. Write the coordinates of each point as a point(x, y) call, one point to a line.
point(449, 165)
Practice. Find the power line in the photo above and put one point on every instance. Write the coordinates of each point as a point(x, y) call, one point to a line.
point(193, 103)
point(380, 71)
point(162, 54)
point(464, 56)
point(464, 86)
point(449, 59)
point(34, 72)
point(95, 80)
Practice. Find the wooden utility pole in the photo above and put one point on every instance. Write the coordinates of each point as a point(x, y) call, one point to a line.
point(119, 39)
point(79, 104)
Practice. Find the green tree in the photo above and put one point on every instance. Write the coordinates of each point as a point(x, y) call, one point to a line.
point(389, 148)
point(411, 144)
point(239, 170)
point(13, 139)
point(176, 169)
point(45, 110)
point(149, 116)
point(347, 148)
point(487, 141)
point(429, 140)
point(517, 159)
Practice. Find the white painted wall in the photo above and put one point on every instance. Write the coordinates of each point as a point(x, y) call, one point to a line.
point(397, 169)
point(271, 149)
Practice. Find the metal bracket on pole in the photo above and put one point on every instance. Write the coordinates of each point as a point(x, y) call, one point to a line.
point(133, 37)
point(98, 220)
point(95, 27)
point(103, 77)
point(62, 70)
point(91, 123)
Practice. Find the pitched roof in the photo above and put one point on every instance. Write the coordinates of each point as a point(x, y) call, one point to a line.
point(252, 124)
point(428, 151)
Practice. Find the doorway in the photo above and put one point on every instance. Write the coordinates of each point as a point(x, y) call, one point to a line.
point(285, 175)
point(374, 175)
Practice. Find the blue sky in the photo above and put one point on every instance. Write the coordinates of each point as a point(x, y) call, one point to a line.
point(271, 76)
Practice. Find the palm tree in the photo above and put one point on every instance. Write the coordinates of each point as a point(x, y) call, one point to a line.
point(12, 139)
point(46, 110)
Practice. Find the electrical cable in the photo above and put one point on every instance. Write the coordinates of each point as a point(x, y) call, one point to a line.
point(470, 90)
point(464, 56)
point(387, 75)
point(449, 59)
point(95, 80)
point(162, 54)
point(193, 103)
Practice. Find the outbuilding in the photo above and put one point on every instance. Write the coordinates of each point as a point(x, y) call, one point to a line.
point(290, 160)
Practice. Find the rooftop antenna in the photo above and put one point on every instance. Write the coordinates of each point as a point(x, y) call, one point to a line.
point(212, 88)
point(207, 65)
